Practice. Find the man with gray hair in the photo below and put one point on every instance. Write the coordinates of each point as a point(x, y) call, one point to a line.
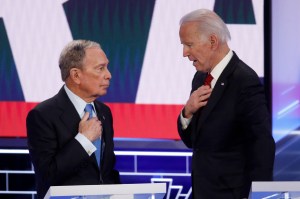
point(225, 120)
point(70, 136)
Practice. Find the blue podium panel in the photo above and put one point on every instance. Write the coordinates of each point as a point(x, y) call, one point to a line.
point(275, 195)
point(134, 196)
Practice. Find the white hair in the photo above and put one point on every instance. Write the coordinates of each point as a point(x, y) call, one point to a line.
point(209, 23)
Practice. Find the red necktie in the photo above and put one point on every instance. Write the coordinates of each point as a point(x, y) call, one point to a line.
point(208, 79)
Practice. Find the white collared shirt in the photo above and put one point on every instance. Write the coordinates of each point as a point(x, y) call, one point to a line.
point(218, 69)
point(216, 72)
point(79, 105)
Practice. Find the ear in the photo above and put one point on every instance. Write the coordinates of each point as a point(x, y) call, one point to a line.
point(214, 41)
point(75, 74)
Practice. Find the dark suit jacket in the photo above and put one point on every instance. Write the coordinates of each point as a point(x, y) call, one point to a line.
point(58, 158)
point(231, 136)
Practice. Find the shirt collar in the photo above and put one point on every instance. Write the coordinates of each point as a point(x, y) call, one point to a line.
point(78, 103)
point(218, 69)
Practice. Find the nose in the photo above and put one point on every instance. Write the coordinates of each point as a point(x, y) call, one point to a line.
point(108, 75)
point(185, 51)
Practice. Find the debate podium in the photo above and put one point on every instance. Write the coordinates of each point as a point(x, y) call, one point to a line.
point(116, 191)
point(275, 190)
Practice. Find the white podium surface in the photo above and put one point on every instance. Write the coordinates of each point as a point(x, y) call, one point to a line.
point(116, 191)
point(275, 190)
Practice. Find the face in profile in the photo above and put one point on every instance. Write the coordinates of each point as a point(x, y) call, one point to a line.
point(196, 46)
point(94, 75)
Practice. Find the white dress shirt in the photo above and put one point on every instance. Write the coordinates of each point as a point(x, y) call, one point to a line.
point(79, 105)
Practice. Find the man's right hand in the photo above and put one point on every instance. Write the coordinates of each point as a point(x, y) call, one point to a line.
point(197, 100)
point(90, 128)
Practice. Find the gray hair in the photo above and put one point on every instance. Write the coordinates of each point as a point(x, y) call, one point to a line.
point(73, 55)
point(209, 23)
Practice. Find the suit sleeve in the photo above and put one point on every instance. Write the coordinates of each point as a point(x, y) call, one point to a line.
point(52, 166)
point(186, 135)
point(256, 122)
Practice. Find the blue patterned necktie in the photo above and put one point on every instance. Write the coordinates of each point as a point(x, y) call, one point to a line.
point(97, 143)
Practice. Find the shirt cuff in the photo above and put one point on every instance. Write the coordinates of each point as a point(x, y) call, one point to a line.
point(185, 121)
point(86, 144)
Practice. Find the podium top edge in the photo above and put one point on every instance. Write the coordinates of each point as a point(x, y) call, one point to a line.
point(107, 189)
point(275, 186)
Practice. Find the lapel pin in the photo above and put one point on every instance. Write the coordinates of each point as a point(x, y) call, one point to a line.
point(222, 84)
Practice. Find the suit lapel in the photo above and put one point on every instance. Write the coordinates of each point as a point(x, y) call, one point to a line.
point(217, 92)
point(69, 116)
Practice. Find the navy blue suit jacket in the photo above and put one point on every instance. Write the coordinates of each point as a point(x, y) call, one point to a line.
point(231, 136)
point(58, 158)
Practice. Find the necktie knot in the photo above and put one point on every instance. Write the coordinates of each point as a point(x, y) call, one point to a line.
point(89, 108)
point(208, 80)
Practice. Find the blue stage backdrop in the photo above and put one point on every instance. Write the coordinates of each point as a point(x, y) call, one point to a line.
point(286, 88)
